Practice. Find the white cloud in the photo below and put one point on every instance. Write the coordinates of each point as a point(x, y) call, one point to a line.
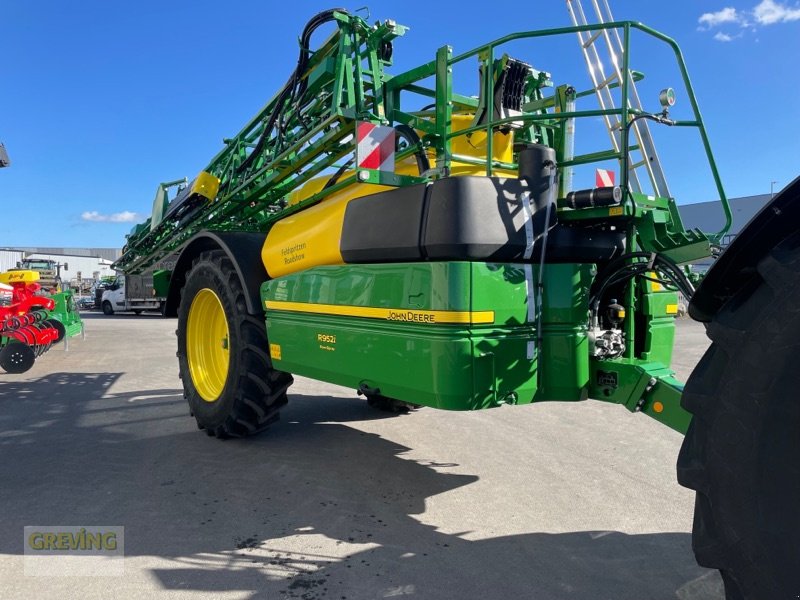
point(726, 15)
point(766, 12)
point(125, 216)
point(769, 12)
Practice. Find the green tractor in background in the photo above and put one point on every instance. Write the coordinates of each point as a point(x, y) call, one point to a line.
point(49, 272)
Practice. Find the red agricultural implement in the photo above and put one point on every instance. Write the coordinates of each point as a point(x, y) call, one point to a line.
point(27, 327)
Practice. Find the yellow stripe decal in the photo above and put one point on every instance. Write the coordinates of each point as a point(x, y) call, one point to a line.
point(672, 309)
point(387, 314)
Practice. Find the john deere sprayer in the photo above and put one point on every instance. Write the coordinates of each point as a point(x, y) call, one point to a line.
point(426, 239)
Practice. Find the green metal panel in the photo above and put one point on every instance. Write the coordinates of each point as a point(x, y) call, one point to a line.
point(161, 278)
point(657, 311)
point(66, 312)
point(362, 325)
point(459, 366)
point(565, 349)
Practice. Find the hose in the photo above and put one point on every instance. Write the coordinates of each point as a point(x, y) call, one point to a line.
point(621, 270)
point(408, 134)
point(294, 88)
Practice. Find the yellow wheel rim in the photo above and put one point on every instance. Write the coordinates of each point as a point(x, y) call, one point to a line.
point(207, 345)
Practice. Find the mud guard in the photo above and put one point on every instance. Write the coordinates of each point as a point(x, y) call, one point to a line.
point(244, 251)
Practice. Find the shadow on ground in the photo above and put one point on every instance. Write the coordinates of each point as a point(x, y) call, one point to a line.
point(312, 510)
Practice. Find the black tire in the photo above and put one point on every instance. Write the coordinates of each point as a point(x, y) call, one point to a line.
point(137, 312)
point(17, 358)
point(107, 308)
point(742, 451)
point(254, 392)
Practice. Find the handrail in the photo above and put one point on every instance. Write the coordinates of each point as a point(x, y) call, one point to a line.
point(442, 67)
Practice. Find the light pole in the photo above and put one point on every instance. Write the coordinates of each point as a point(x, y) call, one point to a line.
point(771, 187)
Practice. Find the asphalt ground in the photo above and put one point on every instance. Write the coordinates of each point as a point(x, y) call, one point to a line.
point(337, 501)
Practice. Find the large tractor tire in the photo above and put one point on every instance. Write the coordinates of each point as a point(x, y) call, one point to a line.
point(227, 374)
point(742, 451)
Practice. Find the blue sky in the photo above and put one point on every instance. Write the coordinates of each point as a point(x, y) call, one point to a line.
point(102, 100)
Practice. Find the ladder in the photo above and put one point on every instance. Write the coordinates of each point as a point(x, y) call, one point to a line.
point(647, 164)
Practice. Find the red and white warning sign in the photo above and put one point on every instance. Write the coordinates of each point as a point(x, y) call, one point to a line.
point(375, 148)
point(603, 178)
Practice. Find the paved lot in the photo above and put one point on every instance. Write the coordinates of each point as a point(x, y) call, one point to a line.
point(337, 501)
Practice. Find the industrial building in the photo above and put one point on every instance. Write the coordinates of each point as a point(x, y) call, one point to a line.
point(9, 259)
point(110, 254)
point(708, 216)
point(76, 264)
